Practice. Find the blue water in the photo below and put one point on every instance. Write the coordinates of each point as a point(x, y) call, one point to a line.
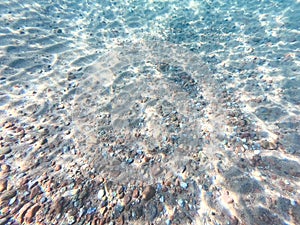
point(210, 88)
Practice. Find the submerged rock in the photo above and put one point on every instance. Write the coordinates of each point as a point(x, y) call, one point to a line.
point(148, 193)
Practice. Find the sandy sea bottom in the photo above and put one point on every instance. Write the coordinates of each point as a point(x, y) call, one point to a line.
point(149, 112)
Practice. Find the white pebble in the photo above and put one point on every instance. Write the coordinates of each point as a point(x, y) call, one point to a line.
point(101, 193)
point(257, 152)
point(183, 185)
point(245, 147)
point(181, 203)
point(162, 199)
point(71, 219)
point(12, 200)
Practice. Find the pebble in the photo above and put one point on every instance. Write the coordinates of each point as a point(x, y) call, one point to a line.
point(57, 206)
point(4, 151)
point(103, 210)
point(44, 141)
point(5, 168)
point(35, 191)
point(101, 193)
point(57, 167)
point(162, 199)
point(156, 170)
point(71, 219)
point(104, 203)
point(71, 192)
point(168, 222)
point(23, 211)
point(148, 193)
point(183, 185)
point(12, 200)
point(135, 193)
point(91, 210)
point(7, 195)
point(257, 152)
point(31, 213)
point(245, 147)
point(120, 189)
point(8, 125)
point(3, 185)
point(130, 160)
point(268, 145)
point(127, 199)
point(181, 203)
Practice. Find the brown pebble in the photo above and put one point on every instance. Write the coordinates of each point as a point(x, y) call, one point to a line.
point(121, 195)
point(57, 167)
point(3, 185)
point(43, 178)
point(146, 159)
point(8, 125)
point(35, 191)
point(23, 183)
point(31, 213)
point(148, 193)
point(23, 211)
point(19, 129)
point(17, 208)
point(135, 193)
point(101, 180)
point(32, 141)
point(5, 168)
point(226, 197)
point(57, 206)
point(164, 189)
point(270, 145)
point(7, 195)
point(168, 183)
point(127, 199)
point(120, 189)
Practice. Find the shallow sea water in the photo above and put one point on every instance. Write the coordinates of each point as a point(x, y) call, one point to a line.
point(150, 112)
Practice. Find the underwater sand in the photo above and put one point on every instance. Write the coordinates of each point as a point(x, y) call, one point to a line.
point(149, 112)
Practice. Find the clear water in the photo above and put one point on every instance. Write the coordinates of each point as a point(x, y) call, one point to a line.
point(203, 95)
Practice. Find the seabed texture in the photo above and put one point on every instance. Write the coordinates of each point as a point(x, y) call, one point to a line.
point(150, 112)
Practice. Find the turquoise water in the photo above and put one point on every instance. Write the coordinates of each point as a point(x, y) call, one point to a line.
point(198, 99)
